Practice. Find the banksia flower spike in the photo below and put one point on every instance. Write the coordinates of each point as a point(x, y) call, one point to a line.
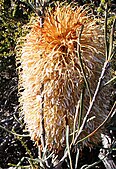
point(50, 57)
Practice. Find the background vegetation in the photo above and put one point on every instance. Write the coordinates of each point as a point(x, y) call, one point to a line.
point(13, 147)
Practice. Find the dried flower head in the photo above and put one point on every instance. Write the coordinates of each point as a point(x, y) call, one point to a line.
point(50, 58)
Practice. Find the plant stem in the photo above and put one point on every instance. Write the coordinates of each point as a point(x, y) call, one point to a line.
point(81, 62)
point(93, 100)
point(13, 133)
point(105, 31)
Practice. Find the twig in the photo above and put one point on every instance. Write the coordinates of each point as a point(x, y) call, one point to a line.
point(110, 81)
point(27, 158)
point(58, 166)
point(91, 165)
point(111, 40)
point(107, 160)
point(105, 31)
point(105, 153)
point(68, 146)
point(106, 64)
point(75, 120)
point(104, 156)
point(42, 118)
point(13, 133)
point(19, 137)
point(93, 100)
point(101, 125)
point(26, 148)
point(42, 127)
point(81, 106)
point(77, 158)
point(81, 62)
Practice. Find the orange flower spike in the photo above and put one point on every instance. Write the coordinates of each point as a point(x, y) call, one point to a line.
point(49, 57)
